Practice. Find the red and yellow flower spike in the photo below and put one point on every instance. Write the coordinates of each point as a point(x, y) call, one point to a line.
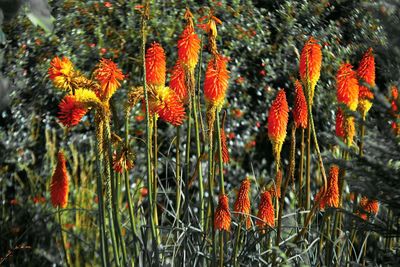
point(222, 217)
point(71, 111)
point(266, 214)
point(189, 47)
point(109, 76)
point(347, 86)
point(166, 103)
point(59, 183)
point(216, 81)
point(366, 72)
point(61, 72)
point(331, 197)
point(310, 66)
point(300, 114)
point(242, 203)
point(155, 65)
point(278, 117)
point(369, 205)
point(178, 83)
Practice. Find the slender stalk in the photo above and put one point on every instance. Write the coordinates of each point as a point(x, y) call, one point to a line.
point(99, 170)
point(62, 237)
point(301, 171)
point(109, 199)
point(187, 163)
point(210, 221)
point(178, 174)
point(221, 248)
point(308, 167)
point(145, 17)
point(128, 192)
point(237, 241)
point(155, 174)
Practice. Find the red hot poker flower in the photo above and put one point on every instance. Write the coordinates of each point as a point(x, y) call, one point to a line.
point(109, 76)
point(222, 218)
point(266, 212)
point(61, 72)
point(369, 205)
point(178, 83)
point(277, 122)
point(347, 86)
point(71, 111)
point(331, 197)
point(310, 65)
point(242, 203)
point(59, 183)
point(189, 47)
point(216, 81)
point(155, 65)
point(340, 123)
point(300, 113)
point(366, 72)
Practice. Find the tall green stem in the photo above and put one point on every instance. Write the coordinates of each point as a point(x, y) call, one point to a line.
point(62, 236)
point(178, 174)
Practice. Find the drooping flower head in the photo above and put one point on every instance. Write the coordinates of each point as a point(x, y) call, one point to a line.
point(266, 214)
point(189, 47)
point(178, 83)
point(300, 113)
point(310, 66)
point(166, 103)
point(59, 183)
point(109, 76)
point(347, 86)
point(210, 27)
point(331, 197)
point(369, 205)
point(366, 72)
point(216, 81)
point(242, 203)
point(122, 161)
point(155, 65)
point(61, 72)
point(71, 111)
point(278, 117)
point(222, 217)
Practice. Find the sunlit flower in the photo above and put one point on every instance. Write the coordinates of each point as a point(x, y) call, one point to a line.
point(366, 72)
point(59, 183)
point(242, 203)
point(222, 217)
point(347, 86)
point(109, 76)
point(331, 197)
point(155, 65)
point(166, 103)
point(216, 81)
point(61, 72)
point(277, 122)
point(71, 111)
point(178, 83)
point(189, 47)
point(310, 65)
point(266, 214)
point(300, 114)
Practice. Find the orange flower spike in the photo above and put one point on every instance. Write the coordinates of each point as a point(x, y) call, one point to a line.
point(166, 103)
point(61, 72)
point(300, 113)
point(394, 92)
point(266, 214)
point(178, 83)
point(109, 76)
point(222, 218)
point(216, 81)
point(189, 47)
point(310, 65)
point(278, 117)
point(242, 203)
point(155, 65)
point(331, 197)
point(340, 123)
point(366, 72)
point(71, 111)
point(347, 86)
point(369, 205)
point(59, 183)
